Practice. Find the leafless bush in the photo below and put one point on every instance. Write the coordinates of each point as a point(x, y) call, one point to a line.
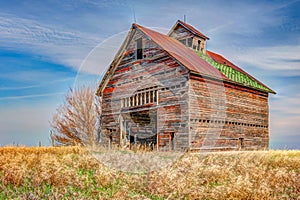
point(77, 121)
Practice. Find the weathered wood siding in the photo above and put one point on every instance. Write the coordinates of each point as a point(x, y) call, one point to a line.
point(224, 116)
point(156, 70)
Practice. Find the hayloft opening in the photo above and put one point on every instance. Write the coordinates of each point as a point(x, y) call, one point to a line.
point(142, 117)
point(140, 127)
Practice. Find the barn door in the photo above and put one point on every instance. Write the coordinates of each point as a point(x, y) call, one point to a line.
point(166, 141)
point(241, 143)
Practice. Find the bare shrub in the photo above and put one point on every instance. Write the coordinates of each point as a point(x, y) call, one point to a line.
point(77, 121)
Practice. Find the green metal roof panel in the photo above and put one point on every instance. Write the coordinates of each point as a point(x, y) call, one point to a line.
point(233, 74)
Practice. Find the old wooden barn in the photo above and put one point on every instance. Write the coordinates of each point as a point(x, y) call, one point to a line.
point(170, 91)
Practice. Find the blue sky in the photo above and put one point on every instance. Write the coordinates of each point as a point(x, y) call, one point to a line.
point(48, 46)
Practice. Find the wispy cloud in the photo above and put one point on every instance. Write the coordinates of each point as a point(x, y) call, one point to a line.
point(286, 105)
point(37, 85)
point(31, 96)
point(105, 3)
point(282, 58)
point(66, 47)
point(284, 119)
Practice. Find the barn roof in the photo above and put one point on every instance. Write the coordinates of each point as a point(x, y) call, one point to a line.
point(210, 64)
point(204, 64)
point(181, 53)
point(190, 28)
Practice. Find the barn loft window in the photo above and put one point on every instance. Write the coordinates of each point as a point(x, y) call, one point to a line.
point(142, 97)
point(190, 42)
point(183, 41)
point(139, 48)
point(199, 43)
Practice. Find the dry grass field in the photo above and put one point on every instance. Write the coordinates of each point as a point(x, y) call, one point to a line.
point(72, 173)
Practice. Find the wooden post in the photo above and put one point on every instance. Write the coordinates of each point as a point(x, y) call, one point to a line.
point(140, 96)
point(170, 140)
point(153, 96)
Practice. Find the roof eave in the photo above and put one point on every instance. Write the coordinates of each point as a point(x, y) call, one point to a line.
point(117, 57)
point(242, 71)
point(180, 22)
point(232, 82)
point(183, 24)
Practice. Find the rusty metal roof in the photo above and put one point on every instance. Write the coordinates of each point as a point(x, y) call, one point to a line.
point(181, 53)
point(206, 64)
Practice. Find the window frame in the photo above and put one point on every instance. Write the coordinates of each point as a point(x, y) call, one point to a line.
point(139, 48)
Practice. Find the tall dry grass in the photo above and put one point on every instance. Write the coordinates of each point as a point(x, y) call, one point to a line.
point(72, 173)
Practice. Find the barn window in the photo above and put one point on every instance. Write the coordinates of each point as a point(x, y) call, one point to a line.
point(139, 48)
point(183, 41)
point(190, 41)
point(241, 143)
point(199, 43)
